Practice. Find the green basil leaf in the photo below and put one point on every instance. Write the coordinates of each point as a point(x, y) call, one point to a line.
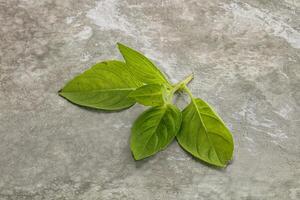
point(204, 134)
point(154, 129)
point(106, 86)
point(141, 66)
point(150, 95)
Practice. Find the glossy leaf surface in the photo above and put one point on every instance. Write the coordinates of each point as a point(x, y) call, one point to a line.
point(154, 129)
point(150, 95)
point(204, 134)
point(141, 66)
point(106, 86)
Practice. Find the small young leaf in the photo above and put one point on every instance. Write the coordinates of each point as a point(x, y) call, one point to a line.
point(141, 66)
point(150, 95)
point(106, 86)
point(154, 129)
point(204, 134)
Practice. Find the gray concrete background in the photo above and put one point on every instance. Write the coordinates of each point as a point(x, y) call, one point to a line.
point(246, 58)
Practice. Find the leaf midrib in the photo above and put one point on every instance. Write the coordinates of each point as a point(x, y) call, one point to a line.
point(143, 59)
point(152, 94)
point(165, 109)
point(101, 90)
point(205, 129)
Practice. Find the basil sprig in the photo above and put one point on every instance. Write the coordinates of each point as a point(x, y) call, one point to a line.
point(116, 85)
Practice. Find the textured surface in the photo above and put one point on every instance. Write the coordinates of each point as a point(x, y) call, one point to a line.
point(246, 60)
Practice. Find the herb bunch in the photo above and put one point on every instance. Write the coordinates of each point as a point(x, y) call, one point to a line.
point(116, 85)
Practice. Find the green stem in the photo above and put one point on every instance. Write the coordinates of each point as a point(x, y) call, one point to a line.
point(187, 90)
point(179, 86)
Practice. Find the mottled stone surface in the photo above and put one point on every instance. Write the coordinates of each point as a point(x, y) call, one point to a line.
point(246, 58)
